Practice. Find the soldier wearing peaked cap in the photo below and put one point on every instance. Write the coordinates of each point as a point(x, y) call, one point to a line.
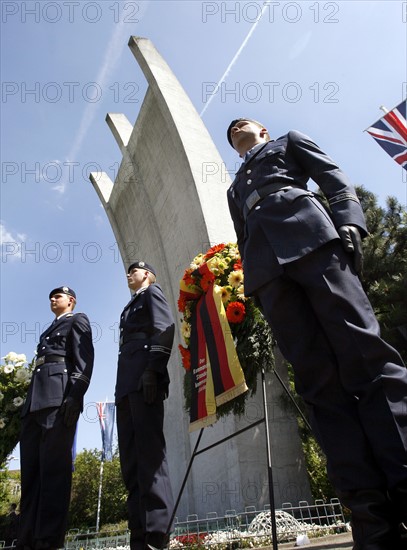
point(301, 264)
point(61, 376)
point(146, 339)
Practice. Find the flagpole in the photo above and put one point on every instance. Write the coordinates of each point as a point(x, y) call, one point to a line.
point(102, 411)
point(269, 464)
point(174, 511)
point(99, 495)
point(385, 111)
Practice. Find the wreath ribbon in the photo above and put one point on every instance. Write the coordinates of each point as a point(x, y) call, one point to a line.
point(217, 376)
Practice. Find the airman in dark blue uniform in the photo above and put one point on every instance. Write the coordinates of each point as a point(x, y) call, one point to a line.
point(61, 376)
point(146, 339)
point(301, 264)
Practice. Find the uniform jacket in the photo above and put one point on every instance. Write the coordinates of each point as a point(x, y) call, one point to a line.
point(69, 337)
point(287, 224)
point(147, 313)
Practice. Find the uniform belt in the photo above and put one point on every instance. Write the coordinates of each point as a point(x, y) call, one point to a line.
point(49, 359)
point(134, 336)
point(259, 194)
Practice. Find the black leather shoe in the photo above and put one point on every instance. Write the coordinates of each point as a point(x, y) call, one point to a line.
point(374, 521)
point(157, 541)
point(398, 496)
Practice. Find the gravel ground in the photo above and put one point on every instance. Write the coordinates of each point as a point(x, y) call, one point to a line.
point(330, 542)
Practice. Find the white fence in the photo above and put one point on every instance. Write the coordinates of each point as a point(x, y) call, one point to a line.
point(237, 528)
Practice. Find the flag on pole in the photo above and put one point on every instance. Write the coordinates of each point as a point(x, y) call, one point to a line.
point(106, 413)
point(390, 132)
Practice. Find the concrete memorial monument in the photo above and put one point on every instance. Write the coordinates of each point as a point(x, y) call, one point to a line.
point(165, 206)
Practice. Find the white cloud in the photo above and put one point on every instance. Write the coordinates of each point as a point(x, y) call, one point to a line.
point(59, 188)
point(10, 244)
point(99, 220)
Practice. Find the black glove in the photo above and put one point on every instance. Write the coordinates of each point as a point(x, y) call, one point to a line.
point(352, 243)
point(149, 383)
point(70, 409)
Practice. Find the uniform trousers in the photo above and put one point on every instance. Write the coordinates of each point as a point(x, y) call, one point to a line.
point(353, 382)
point(46, 476)
point(144, 466)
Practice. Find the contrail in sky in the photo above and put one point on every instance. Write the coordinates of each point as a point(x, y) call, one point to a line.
point(113, 52)
point(239, 51)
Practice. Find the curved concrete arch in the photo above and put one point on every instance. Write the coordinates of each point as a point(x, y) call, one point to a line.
point(165, 206)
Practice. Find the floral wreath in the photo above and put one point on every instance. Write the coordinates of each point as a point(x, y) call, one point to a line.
point(251, 333)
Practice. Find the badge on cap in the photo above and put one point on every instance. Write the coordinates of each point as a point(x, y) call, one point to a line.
point(63, 290)
point(142, 265)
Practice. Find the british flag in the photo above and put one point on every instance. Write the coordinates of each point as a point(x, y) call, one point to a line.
point(106, 420)
point(390, 132)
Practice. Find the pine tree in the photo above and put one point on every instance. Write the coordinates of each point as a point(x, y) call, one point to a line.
point(385, 266)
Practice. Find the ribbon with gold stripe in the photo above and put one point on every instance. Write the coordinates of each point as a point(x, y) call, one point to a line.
point(217, 376)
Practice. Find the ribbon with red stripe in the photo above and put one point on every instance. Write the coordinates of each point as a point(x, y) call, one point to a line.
point(217, 376)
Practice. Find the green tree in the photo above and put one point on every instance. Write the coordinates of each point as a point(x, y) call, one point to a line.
point(9, 479)
point(114, 495)
point(85, 490)
point(84, 495)
point(5, 496)
point(385, 266)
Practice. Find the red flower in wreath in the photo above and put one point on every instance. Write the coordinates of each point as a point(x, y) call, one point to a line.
point(212, 251)
point(237, 265)
point(182, 303)
point(188, 278)
point(185, 356)
point(207, 280)
point(235, 312)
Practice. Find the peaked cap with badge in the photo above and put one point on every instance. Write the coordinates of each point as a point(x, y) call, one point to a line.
point(141, 265)
point(63, 290)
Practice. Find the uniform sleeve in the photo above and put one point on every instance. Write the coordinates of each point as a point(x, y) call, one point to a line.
point(82, 354)
point(341, 194)
point(163, 327)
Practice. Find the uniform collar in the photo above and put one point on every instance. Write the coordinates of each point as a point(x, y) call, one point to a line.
point(253, 150)
point(63, 315)
point(140, 291)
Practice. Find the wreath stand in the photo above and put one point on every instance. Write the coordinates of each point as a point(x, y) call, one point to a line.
point(196, 452)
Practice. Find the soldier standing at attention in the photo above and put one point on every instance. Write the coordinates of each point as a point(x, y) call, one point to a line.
point(61, 376)
point(146, 339)
point(301, 264)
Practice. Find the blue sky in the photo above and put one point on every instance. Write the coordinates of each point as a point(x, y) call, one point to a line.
point(320, 67)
